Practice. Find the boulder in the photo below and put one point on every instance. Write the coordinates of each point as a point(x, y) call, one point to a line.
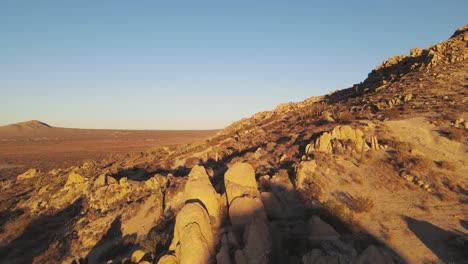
point(305, 169)
point(223, 255)
point(199, 188)
point(244, 208)
point(280, 182)
point(257, 241)
point(346, 136)
point(193, 237)
point(140, 255)
point(239, 180)
point(73, 178)
point(272, 205)
point(239, 257)
point(316, 256)
point(374, 255)
point(168, 259)
point(31, 173)
point(100, 181)
point(318, 231)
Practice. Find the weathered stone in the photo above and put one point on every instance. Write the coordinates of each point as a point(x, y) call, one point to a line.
point(239, 257)
point(244, 208)
point(239, 180)
point(199, 188)
point(257, 241)
point(168, 259)
point(31, 173)
point(111, 180)
point(280, 182)
point(272, 205)
point(139, 255)
point(193, 236)
point(374, 255)
point(100, 181)
point(73, 178)
point(318, 231)
point(416, 52)
point(223, 255)
point(344, 135)
point(316, 256)
point(305, 169)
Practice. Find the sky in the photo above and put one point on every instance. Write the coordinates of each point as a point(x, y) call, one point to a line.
point(196, 64)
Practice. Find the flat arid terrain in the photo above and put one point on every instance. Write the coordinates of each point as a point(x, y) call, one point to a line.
point(36, 144)
point(373, 173)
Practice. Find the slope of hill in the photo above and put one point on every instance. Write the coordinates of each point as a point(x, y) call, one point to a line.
point(376, 173)
point(32, 124)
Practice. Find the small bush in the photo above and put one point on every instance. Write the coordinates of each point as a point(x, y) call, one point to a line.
point(360, 204)
point(156, 242)
point(191, 162)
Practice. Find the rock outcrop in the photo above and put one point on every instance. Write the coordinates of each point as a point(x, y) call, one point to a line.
point(193, 239)
point(243, 198)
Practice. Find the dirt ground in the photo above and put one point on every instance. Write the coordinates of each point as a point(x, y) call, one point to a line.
point(47, 148)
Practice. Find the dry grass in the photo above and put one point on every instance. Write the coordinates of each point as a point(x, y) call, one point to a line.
point(360, 204)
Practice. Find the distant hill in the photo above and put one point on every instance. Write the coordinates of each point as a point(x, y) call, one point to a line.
point(32, 124)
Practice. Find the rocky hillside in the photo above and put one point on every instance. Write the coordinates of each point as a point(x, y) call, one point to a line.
point(375, 173)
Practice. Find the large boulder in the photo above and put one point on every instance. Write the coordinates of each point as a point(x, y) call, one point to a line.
point(73, 179)
point(199, 188)
point(340, 137)
point(316, 256)
point(244, 208)
point(257, 241)
point(305, 169)
point(375, 255)
point(243, 197)
point(318, 231)
point(193, 238)
point(168, 259)
point(273, 206)
point(239, 180)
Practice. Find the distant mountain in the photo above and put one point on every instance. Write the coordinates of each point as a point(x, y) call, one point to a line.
point(32, 124)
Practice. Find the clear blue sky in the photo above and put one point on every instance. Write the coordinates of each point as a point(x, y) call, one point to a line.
point(196, 64)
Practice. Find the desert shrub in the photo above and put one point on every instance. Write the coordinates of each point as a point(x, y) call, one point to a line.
point(393, 113)
point(360, 204)
point(191, 162)
point(446, 165)
point(455, 134)
point(168, 164)
point(156, 242)
point(345, 117)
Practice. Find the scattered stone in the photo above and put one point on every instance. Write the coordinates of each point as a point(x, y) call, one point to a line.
point(100, 181)
point(316, 256)
point(139, 255)
point(318, 231)
point(73, 178)
point(168, 259)
point(31, 173)
point(376, 255)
